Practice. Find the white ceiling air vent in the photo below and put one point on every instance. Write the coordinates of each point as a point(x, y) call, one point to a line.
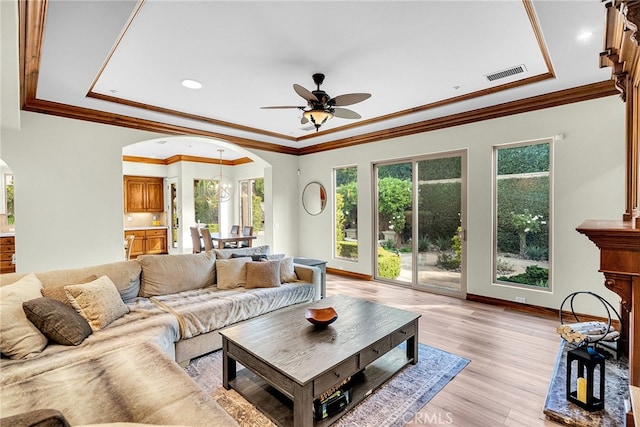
point(506, 73)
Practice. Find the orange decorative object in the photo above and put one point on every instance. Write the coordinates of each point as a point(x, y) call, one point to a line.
point(321, 316)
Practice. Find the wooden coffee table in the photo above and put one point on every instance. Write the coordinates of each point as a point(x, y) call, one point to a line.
point(290, 362)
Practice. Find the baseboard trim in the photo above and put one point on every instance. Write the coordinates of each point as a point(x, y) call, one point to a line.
point(350, 274)
point(540, 311)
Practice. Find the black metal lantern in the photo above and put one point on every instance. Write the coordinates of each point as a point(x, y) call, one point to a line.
point(581, 392)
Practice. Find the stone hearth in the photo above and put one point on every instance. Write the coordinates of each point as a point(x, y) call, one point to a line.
point(558, 409)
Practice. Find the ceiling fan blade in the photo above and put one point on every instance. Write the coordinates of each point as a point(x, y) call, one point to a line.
point(304, 93)
point(349, 99)
point(278, 107)
point(345, 113)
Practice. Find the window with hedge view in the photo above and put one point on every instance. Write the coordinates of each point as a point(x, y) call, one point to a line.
point(346, 215)
point(205, 201)
point(522, 212)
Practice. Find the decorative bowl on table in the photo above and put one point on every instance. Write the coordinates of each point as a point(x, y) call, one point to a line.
point(321, 316)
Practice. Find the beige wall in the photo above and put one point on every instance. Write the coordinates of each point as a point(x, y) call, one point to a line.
point(588, 183)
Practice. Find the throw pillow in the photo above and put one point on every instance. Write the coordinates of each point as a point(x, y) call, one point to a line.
point(57, 321)
point(256, 257)
point(170, 274)
point(264, 274)
point(287, 271)
point(19, 338)
point(58, 293)
point(232, 272)
point(99, 302)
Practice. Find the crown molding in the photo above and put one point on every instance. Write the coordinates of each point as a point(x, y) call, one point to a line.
point(32, 15)
point(184, 158)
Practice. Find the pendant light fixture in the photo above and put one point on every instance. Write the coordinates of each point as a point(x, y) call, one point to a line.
point(223, 185)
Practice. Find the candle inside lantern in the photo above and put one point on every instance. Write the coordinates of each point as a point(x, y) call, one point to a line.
point(582, 389)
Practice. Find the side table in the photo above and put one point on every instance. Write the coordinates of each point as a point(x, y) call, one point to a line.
point(322, 265)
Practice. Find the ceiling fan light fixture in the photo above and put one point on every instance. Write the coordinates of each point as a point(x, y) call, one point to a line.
point(318, 117)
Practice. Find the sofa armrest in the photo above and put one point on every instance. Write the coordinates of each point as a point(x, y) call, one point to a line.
point(310, 274)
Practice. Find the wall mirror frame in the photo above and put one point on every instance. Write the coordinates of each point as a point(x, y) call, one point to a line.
point(314, 198)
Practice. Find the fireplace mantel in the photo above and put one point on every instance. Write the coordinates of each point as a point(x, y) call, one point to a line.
point(619, 245)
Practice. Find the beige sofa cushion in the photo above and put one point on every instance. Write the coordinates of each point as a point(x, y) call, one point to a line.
point(287, 271)
point(170, 274)
point(264, 274)
point(124, 274)
point(232, 273)
point(98, 302)
point(19, 338)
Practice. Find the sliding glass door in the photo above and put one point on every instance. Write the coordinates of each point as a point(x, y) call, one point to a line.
point(420, 228)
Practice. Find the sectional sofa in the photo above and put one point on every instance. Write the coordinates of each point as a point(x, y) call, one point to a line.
point(106, 344)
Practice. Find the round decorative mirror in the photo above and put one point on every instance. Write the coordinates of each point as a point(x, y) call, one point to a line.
point(314, 198)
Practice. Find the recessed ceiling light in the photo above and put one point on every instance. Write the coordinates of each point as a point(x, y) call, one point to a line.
point(191, 84)
point(585, 35)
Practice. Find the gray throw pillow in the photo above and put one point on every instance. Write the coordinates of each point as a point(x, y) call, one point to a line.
point(57, 321)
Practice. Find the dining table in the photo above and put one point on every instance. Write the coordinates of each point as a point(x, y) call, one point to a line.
point(222, 238)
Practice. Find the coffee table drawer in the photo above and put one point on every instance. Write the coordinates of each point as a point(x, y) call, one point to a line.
point(335, 376)
point(375, 350)
point(403, 334)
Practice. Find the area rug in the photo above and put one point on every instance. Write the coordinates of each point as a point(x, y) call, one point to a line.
point(393, 404)
point(616, 391)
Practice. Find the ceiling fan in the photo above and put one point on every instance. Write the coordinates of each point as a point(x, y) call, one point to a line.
point(321, 107)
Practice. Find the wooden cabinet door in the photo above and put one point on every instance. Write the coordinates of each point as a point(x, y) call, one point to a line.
point(7, 250)
point(155, 198)
point(143, 194)
point(134, 194)
point(156, 242)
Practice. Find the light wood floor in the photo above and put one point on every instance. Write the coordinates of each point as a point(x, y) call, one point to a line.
point(512, 355)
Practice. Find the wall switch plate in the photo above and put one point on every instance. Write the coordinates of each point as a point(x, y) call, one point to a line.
point(522, 300)
point(129, 218)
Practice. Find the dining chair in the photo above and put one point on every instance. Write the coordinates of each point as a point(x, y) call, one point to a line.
point(195, 240)
point(235, 229)
point(246, 231)
point(127, 247)
point(206, 237)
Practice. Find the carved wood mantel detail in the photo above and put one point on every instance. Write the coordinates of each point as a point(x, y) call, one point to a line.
point(631, 11)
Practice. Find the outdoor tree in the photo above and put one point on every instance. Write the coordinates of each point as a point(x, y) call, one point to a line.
point(525, 223)
point(339, 218)
point(394, 198)
point(349, 208)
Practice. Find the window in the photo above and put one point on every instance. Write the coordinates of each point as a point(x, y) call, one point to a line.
point(205, 200)
point(346, 215)
point(252, 204)
point(8, 191)
point(522, 214)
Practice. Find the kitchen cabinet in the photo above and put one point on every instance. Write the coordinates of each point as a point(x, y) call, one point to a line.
point(149, 241)
point(143, 194)
point(7, 252)
point(156, 241)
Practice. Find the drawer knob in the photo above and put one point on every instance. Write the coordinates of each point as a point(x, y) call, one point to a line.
point(376, 351)
point(337, 374)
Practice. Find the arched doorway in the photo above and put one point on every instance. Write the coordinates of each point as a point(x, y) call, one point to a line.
point(7, 221)
point(186, 163)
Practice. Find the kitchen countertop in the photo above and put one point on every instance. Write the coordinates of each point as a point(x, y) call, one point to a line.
point(8, 234)
point(150, 227)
